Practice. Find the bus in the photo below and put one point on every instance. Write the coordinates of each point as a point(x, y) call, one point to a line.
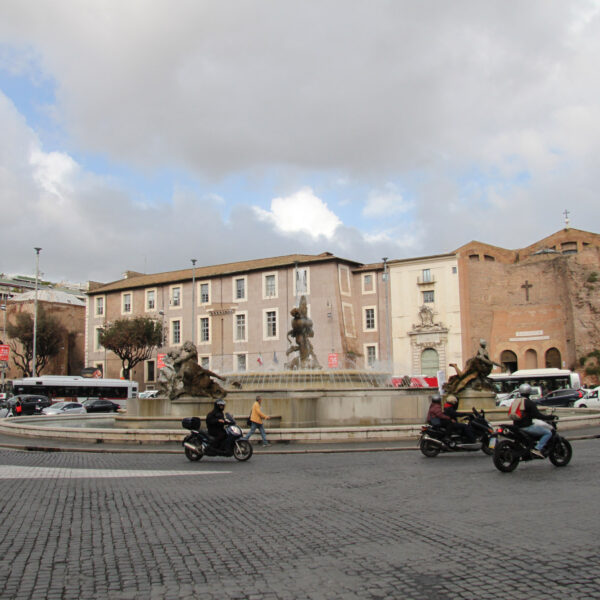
point(76, 388)
point(546, 379)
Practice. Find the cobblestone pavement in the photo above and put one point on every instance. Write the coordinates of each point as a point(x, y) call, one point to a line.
point(352, 526)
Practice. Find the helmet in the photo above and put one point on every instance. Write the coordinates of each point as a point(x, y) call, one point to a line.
point(436, 398)
point(525, 390)
point(452, 399)
point(220, 402)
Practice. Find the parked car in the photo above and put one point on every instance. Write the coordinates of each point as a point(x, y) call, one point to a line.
point(506, 399)
point(562, 398)
point(590, 400)
point(65, 408)
point(31, 404)
point(100, 405)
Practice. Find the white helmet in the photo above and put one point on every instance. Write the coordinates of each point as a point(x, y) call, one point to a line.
point(525, 390)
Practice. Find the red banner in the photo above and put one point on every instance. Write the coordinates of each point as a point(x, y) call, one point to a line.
point(160, 361)
point(4, 352)
point(332, 360)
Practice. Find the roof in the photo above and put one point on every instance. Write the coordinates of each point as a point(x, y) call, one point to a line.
point(137, 281)
point(50, 295)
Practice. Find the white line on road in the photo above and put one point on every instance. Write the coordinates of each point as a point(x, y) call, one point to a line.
point(18, 472)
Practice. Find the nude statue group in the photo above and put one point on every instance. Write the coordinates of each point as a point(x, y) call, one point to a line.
point(301, 331)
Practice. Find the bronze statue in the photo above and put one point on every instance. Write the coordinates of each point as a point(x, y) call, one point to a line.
point(475, 373)
point(301, 331)
point(183, 376)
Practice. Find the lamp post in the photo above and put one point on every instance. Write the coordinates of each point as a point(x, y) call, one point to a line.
point(386, 277)
point(193, 301)
point(3, 309)
point(35, 310)
point(162, 314)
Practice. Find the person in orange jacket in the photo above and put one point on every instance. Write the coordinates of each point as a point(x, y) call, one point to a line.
point(256, 419)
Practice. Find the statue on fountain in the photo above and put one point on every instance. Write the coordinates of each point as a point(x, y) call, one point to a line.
point(301, 331)
point(475, 373)
point(183, 376)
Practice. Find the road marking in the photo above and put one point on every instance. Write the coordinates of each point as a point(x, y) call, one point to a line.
point(18, 472)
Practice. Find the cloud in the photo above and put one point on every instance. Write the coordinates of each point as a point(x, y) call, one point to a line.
point(382, 203)
point(301, 212)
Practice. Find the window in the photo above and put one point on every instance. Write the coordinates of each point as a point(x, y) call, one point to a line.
point(241, 362)
point(176, 331)
point(369, 322)
point(454, 270)
point(429, 362)
point(204, 329)
point(426, 275)
point(205, 362)
point(371, 355)
point(204, 293)
point(176, 296)
point(97, 345)
point(150, 370)
point(428, 297)
point(239, 288)
point(99, 300)
point(368, 283)
point(240, 327)
point(301, 282)
point(270, 324)
point(150, 299)
point(126, 306)
point(270, 285)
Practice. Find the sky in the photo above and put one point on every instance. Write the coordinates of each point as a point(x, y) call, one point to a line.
point(140, 135)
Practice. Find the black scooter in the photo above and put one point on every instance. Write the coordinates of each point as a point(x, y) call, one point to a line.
point(437, 438)
point(512, 445)
point(199, 443)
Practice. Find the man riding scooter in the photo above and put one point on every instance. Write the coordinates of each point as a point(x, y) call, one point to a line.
point(215, 423)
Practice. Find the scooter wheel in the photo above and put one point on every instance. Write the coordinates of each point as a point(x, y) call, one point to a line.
point(485, 446)
point(242, 450)
point(505, 459)
point(429, 449)
point(193, 455)
point(561, 453)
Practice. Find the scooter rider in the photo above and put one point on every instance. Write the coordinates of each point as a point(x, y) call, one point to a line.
point(215, 423)
point(435, 414)
point(464, 430)
point(523, 410)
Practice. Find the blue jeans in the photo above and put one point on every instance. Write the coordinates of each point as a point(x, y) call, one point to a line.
point(253, 428)
point(544, 433)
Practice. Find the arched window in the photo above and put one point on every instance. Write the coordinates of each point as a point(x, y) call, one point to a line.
point(531, 359)
point(509, 361)
point(430, 362)
point(553, 359)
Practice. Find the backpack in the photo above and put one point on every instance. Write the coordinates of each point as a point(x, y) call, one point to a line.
point(517, 409)
point(248, 421)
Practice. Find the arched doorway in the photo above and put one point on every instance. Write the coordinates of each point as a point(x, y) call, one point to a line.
point(531, 360)
point(430, 362)
point(508, 359)
point(553, 359)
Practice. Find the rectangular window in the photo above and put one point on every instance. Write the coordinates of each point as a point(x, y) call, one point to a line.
point(270, 288)
point(368, 283)
point(369, 318)
point(204, 293)
point(126, 303)
point(205, 362)
point(97, 344)
point(240, 328)
point(99, 306)
point(150, 299)
point(176, 332)
point(240, 288)
point(150, 371)
point(371, 356)
point(176, 296)
point(204, 329)
point(428, 297)
point(271, 323)
point(426, 275)
point(241, 362)
point(301, 282)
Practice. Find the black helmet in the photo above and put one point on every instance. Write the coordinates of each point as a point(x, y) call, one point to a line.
point(220, 402)
point(525, 390)
point(436, 398)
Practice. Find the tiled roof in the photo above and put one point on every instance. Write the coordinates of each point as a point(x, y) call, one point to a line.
point(138, 281)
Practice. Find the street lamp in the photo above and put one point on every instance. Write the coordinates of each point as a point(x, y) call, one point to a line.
point(386, 277)
point(3, 309)
point(193, 301)
point(35, 310)
point(162, 314)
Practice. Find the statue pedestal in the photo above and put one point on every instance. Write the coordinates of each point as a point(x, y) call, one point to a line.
point(468, 398)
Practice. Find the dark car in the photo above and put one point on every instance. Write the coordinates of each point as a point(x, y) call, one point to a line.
point(561, 398)
point(101, 405)
point(32, 404)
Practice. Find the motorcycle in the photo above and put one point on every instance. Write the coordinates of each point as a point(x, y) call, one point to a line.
point(511, 445)
point(437, 438)
point(199, 443)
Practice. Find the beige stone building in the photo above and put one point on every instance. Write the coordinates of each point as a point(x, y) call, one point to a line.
point(238, 314)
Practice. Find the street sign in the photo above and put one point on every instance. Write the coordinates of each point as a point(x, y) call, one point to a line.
point(332, 360)
point(4, 352)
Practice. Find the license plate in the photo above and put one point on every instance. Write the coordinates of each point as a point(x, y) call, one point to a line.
point(492, 443)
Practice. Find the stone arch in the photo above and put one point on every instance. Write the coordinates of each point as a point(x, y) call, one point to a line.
point(509, 361)
point(430, 362)
point(553, 358)
point(531, 359)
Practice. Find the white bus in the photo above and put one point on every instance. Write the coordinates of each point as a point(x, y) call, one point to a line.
point(547, 379)
point(76, 388)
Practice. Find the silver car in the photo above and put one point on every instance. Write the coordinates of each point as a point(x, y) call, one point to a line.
point(65, 408)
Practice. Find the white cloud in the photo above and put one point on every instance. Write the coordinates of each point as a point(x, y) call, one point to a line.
point(301, 212)
point(388, 201)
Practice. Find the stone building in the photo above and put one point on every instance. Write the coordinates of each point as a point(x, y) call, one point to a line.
point(537, 306)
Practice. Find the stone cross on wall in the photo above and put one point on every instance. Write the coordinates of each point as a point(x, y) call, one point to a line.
point(526, 287)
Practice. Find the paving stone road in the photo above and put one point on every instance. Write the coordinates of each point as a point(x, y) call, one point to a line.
point(353, 526)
